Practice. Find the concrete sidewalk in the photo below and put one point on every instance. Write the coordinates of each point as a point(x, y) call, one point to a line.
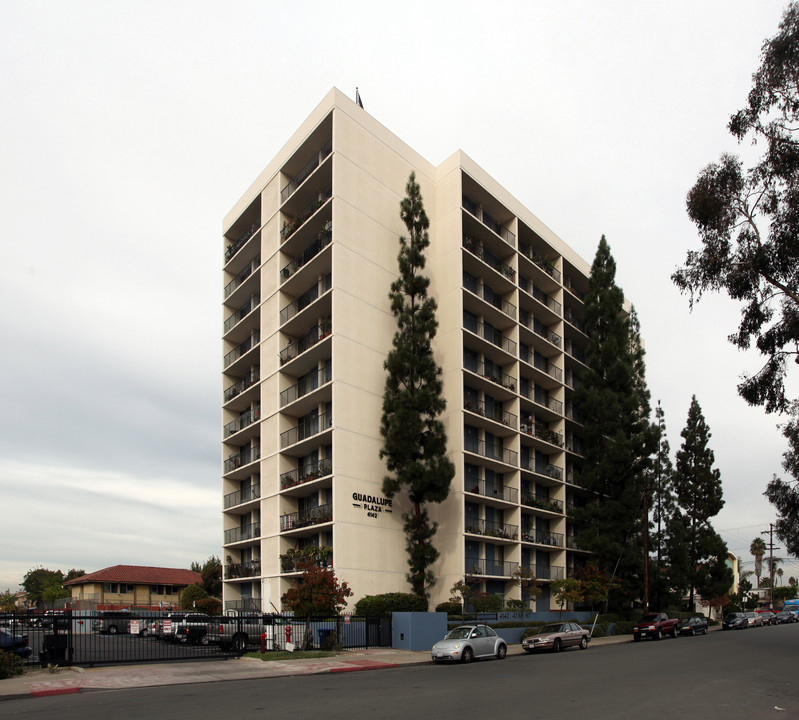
point(41, 682)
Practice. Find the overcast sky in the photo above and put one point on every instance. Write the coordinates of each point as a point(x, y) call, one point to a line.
point(130, 129)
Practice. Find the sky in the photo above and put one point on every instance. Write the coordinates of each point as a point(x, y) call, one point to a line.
point(130, 129)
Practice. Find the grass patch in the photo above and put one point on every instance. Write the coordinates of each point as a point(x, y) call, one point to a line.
point(285, 655)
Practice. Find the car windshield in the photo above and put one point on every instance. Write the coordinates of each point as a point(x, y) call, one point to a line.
point(549, 629)
point(458, 633)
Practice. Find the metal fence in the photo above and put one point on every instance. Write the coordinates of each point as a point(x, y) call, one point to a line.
point(96, 638)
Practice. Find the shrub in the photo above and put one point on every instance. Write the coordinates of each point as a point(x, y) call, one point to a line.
point(451, 608)
point(10, 665)
point(389, 603)
point(485, 603)
point(624, 627)
point(209, 606)
point(190, 595)
point(600, 630)
point(514, 605)
point(608, 618)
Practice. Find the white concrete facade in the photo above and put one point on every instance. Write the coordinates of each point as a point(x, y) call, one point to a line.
point(310, 253)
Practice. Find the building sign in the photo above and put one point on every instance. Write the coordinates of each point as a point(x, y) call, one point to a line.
point(372, 505)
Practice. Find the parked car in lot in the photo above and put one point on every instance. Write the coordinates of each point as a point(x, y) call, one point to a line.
point(469, 642)
point(735, 621)
point(767, 617)
point(754, 619)
point(557, 636)
point(16, 644)
point(692, 626)
point(113, 621)
point(785, 616)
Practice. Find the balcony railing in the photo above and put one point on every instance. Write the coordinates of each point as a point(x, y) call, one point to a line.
point(241, 422)
point(489, 221)
point(491, 451)
point(495, 376)
point(571, 543)
point(572, 319)
point(575, 445)
point(239, 387)
point(304, 518)
point(474, 286)
point(243, 311)
point(235, 246)
point(541, 398)
point(539, 328)
point(543, 537)
point(242, 275)
point(498, 568)
point(546, 572)
point(307, 428)
point(244, 347)
point(248, 604)
point(303, 301)
point(541, 363)
point(307, 473)
point(246, 532)
point(572, 413)
point(576, 352)
point(546, 265)
point(476, 248)
point(245, 457)
point(310, 166)
point(573, 289)
point(494, 413)
point(289, 563)
point(542, 432)
point(491, 334)
point(316, 334)
point(543, 468)
point(322, 241)
point(492, 490)
point(530, 288)
point(291, 226)
point(491, 528)
point(308, 384)
point(242, 496)
point(542, 502)
point(251, 568)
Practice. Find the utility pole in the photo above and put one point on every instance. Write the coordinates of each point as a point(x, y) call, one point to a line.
point(771, 549)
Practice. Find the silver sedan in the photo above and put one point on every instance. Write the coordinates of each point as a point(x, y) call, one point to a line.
point(468, 642)
point(556, 636)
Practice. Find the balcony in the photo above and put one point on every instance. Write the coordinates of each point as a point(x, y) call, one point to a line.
point(548, 266)
point(476, 248)
point(493, 529)
point(315, 335)
point(306, 385)
point(577, 353)
point(251, 568)
point(247, 604)
point(541, 502)
point(494, 336)
point(542, 432)
point(289, 561)
point(573, 414)
point(305, 474)
point(541, 398)
point(291, 226)
point(305, 518)
point(245, 457)
point(484, 292)
point(552, 471)
point(246, 532)
point(534, 324)
point(541, 363)
point(239, 387)
point(575, 445)
point(494, 225)
point(306, 299)
point(492, 490)
point(323, 239)
point(543, 537)
point(494, 413)
point(491, 451)
point(495, 376)
point(243, 348)
point(546, 572)
point(494, 568)
point(236, 245)
point(307, 428)
point(530, 288)
point(573, 289)
point(243, 311)
point(242, 496)
point(241, 422)
point(303, 174)
point(242, 275)
point(570, 317)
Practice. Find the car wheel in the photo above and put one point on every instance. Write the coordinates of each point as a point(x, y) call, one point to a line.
point(502, 651)
point(674, 632)
point(204, 640)
point(467, 655)
point(529, 652)
point(693, 632)
point(637, 638)
point(556, 645)
point(583, 642)
point(239, 643)
point(113, 630)
point(657, 635)
point(704, 631)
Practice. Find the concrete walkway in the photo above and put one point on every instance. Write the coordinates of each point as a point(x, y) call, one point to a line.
point(41, 682)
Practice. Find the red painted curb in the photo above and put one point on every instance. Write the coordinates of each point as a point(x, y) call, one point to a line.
point(55, 691)
point(356, 668)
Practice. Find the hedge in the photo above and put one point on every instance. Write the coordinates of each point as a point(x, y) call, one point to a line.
point(390, 602)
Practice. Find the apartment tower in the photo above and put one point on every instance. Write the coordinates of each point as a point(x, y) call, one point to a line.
point(310, 251)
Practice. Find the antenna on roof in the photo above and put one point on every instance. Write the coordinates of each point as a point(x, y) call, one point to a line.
point(358, 98)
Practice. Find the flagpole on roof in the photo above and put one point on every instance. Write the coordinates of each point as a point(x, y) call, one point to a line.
point(358, 98)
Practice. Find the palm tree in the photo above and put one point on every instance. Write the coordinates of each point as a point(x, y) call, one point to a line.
point(758, 550)
point(779, 575)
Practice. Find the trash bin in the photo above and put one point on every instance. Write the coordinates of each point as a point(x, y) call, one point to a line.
point(54, 650)
point(324, 636)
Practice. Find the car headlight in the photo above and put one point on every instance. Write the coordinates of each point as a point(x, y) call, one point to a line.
point(456, 646)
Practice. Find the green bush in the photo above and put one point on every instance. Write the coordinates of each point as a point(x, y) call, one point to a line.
point(10, 665)
point(601, 630)
point(514, 605)
point(485, 603)
point(209, 606)
point(390, 602)
point(624, 627)
point(192, 594)
point(608, 618)
point(451, 608)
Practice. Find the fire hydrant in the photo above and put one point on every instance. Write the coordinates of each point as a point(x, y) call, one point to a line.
point(288, 634)
point(263, 642)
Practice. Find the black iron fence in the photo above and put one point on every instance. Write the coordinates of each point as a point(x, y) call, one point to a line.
point(95, 638)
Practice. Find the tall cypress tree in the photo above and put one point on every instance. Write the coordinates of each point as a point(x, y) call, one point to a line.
point(414, 441)
point(697, 486)
point(610, 401)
